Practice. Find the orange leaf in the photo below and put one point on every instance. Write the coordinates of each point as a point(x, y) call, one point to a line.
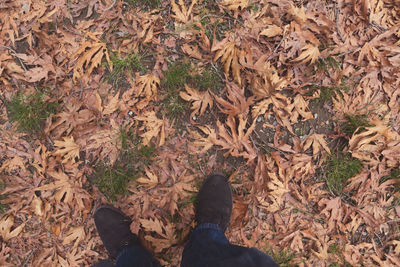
point(309, 53)
point(200, 100)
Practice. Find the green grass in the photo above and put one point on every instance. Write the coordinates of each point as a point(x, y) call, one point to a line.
point(354, 122)
point(208, 79)
point(3, 207)
point(112, 181)
point(326, 64)
point(281, 257)
point(334, 249)
point(30, 111)
point(132, 62)
point(327, 92)
point(178, 74)
point(144, 4)
point(338, 169)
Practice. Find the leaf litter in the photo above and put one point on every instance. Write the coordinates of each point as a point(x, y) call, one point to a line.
point(276, 57)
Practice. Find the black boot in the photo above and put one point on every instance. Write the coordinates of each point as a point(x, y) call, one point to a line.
point(114, 230)
point(215, 201)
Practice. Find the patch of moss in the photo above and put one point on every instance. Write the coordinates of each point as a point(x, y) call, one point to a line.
point(132, 62)
point(144, 4)
point(112, 181)
point(208, 79)
point(30, 111)
point(338, 169)
point(282, 257)
point(3, 207)
point(334, 249)
point(354, 122)
point(175, 78)
point(326, 64)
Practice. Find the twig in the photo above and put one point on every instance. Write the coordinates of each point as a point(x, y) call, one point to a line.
point(112, 5)
point(15, 55)
point(337, 22)
point(216, 70)
point(277, 47)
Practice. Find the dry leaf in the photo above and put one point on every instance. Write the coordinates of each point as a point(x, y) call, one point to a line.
point(89, 56)
point(309, 53)
point(165, 231)
point(112, 106)
point(235, 5)
point(152, 127)
point(200, 100)
point(147, 86)
point(67, 149)
point(182, 14)
point(203, 144)
point(6, 223)
point(229, 55)
point(318, 143)
point(150, 181)
point(192, 51)
point(271, 31)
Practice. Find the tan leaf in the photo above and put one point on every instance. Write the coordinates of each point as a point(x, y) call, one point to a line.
point(182, 14)
point(152, 127)
point(150, 181)
point(105, 143)
point(271, 31)
point(317, 141)
point(277, 189)
point(238, 104)
point(229, 55)
point(147, 86)
point(203, 143)
point(310, 53)
point(76, 234)
point(36, 74)
point(165, 231)
point(37, 206)
point(192, 50)
point(89, 56)
point(13, 164)
point(112, 106)
point(6, 223)
point(235, 5)
point(200, 100)
point(237, 140)
point(67, 149)
point(267, 82)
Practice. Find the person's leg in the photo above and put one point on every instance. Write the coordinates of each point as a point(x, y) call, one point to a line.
point(114, 229)
point(135, 256)
point(208, 245)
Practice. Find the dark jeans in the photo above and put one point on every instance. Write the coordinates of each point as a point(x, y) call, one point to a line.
point(207, 246)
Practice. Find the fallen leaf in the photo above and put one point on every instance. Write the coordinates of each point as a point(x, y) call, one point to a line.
point(317, 141)
point(6, 223)
point(271, 31)
point(67, 149)
point(310, 53)
point(182, 14)
point(200, 100)
point(229, 55)
point(112, 106)
point(152, 127)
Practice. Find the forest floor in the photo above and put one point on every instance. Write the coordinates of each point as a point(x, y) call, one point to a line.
point(133, 103)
